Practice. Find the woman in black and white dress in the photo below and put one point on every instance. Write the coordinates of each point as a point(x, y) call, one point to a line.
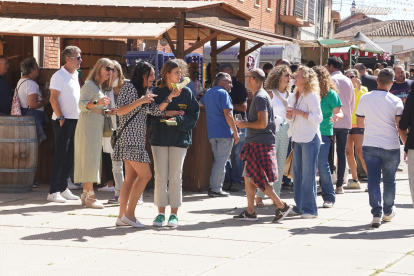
point(130, 146)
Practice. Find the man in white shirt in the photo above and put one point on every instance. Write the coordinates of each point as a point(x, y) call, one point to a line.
point(379, 112)
point(64, 98)
point(342, 127)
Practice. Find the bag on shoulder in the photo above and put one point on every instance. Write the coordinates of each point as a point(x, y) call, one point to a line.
point(15, 108)
point(108, 127)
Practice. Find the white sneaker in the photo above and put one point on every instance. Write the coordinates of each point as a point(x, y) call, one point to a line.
point(339, 190)
point(352, 184)
point(376, 222)
point(308, 216)
point(106, 188)
point(293, 213)
point(136, 224)
point(327, 204)
point(389, 217)
point(67, 194)
point(56, 197)
point(72, 186)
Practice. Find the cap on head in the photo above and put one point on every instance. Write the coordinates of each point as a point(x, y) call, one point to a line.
point(225, 65)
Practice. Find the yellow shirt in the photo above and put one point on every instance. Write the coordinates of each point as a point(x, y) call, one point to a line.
point(358, 95)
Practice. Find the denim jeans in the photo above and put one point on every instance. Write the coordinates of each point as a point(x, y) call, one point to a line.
point(328, 192)
point(387, 161)
point(221, 150)
point(341, 135)
point(234, 169)
point(305, 158)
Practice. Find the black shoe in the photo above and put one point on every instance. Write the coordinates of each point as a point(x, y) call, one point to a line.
point(35, 184)
point(235, 187)
point(287, 186)
point(226, 186)
point(246, 216)
point(217, 194)
point(282, 213)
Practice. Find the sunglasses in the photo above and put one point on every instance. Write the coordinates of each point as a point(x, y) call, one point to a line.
point(108, 68)
point(288, 75)
point(77, 58)
point(351, 77)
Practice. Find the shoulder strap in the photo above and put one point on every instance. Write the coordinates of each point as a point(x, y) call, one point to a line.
point(126, 124)
point(17, 90)
point(285, 101)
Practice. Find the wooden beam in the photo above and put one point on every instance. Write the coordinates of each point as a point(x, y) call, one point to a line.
point(251, 50)
point(242, 62)
point(168, 38)
point(180, 37)
point(227, 46)
point(213, 58)
point(201, 43)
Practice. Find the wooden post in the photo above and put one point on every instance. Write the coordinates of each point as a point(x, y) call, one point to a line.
point(180, 37)
point(242, 62)
point(213, 57)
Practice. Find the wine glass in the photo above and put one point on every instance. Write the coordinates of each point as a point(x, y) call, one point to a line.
point(238, 118)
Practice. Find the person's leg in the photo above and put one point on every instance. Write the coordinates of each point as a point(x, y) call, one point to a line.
point(351, 157)
point(107, 163)
point(390, 162)
point(130, 176)
point(59, 157)
point(410, 159)
point(325, 177)
point(297, 176)
point(175, 171)
point(250, 191)
point(161, 170)
point(259, 196)
point(144, 175)
point(229, 168)
point(282, 144)
point(237, 168)
point(374, 164)
point(358, 140)
point(310, 153)
point(221, 149)
point(341, 139)
point(118, 173)
point(70, 154)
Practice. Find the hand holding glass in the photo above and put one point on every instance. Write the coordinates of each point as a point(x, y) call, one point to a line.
point(238, 118)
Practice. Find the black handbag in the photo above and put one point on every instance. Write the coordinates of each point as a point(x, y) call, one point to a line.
point(115, 136)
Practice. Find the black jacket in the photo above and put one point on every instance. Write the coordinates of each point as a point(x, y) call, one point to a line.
point(369, 81)
point(407, 121)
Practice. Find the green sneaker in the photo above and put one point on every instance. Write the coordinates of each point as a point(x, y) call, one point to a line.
point(173, 221)
point(159, 220)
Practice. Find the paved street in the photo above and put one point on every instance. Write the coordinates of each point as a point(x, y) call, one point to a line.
point(43, 238)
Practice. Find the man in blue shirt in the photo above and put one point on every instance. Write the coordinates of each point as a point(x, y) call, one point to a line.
point(401, 86)
point(221, 129)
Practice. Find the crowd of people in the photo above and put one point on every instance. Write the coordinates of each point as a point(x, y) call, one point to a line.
point(287, 136)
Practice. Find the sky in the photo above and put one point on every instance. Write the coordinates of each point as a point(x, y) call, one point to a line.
point(400, 9)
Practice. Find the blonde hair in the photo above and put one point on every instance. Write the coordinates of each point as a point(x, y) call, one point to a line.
point(325, 81)
point(95, 76)
point(274, 76)
point(376, 72)
point(311, 81)
point(121, 76)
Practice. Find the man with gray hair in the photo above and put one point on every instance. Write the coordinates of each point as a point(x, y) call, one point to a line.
point(368, 81)
point(379, 112)
point(401, 87)
point(221, 129)
point(64, 98)
point(259, 152)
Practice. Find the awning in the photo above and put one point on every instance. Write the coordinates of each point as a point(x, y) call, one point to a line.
point(336, 43)
point(370, 45)
point(243, 32)
point(88, 29)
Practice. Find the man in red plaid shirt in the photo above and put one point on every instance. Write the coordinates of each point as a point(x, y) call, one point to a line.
point(259, 149)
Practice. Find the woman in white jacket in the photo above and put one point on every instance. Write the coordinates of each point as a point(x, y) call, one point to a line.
point(305, 115)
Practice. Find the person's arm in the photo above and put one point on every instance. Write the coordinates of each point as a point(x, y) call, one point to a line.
point(188, 121)
point(85, 100)
point(403, 133)
point(54, 101)
point(337, 114)
point(405, 120)
point(228, 114)
point(241, 107)
point(315, 113)
point(261, 123)
point(34, 103)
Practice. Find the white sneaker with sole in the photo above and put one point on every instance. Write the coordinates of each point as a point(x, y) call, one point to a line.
point(67, 194)
point(389, 217)
point(376, 222)
point(327, 204)
point(106, 188)
point(353, 185)
point(136, 224)
point(308, 216)
point(56, 197)
point(120, 223)
point(293, 213)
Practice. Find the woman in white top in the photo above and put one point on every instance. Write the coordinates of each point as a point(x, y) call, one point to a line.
point(31, 99)
point(278, 85)
point(305, 115)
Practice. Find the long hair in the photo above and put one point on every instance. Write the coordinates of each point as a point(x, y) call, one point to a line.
point(121, 76)
point(95, 74)
point(141, 71)
point(184, 67)
point(325, 81)
point(311, 81)
point(273, 79)
point(167, 68)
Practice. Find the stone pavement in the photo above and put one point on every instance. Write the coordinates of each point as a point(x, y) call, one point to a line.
point(38, 237)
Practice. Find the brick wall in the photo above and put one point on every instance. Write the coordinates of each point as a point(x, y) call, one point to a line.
point(52, 52)
point(357, 17)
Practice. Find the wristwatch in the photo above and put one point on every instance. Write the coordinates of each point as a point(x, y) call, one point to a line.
point(95, 102)
point(61, 118)
point(166, 100)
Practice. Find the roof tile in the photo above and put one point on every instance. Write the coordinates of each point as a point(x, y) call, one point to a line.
point(386, 28)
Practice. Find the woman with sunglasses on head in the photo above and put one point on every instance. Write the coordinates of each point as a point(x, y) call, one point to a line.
point(278, 85)
point(304, 114)
point(331, 110)
point(89, 130)
point(135, 102)
point(169, 144)
point(356, 135)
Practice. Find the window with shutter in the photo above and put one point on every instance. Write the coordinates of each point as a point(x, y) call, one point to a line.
point(299, 8)
point(311, 11)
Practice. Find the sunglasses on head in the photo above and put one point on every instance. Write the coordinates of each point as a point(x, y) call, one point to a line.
point(77, 58)
point(109, 68)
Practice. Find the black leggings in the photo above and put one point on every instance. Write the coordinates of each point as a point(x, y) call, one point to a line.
point(107, 162)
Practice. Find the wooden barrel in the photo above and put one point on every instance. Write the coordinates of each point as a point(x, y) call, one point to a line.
point(18, 153)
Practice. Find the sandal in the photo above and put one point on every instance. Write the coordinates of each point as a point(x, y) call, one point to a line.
point(260, 204)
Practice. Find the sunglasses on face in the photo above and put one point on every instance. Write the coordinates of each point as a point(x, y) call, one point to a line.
point(351, 77)
point(77, 58)
point(108, 68)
